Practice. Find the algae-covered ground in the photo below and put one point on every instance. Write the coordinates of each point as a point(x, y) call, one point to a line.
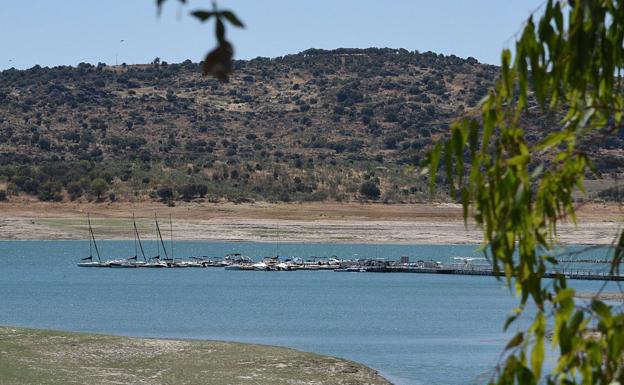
point(48, 357)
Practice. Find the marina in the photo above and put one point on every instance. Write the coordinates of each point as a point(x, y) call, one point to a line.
point(276, 263)
point(459, 265)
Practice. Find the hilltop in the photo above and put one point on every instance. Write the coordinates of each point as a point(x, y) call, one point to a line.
point(338, 125)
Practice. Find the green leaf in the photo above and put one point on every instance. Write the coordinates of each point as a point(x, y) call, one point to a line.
point(515, 341)
point(465, 201)
point(601, 309)
point(511, 319)
point(537, 353)
point(231, 17)
point(618, 254)
point(473, 136)
point(518, 160)
point(434, 162)
point(448, 163)
point(564, 295)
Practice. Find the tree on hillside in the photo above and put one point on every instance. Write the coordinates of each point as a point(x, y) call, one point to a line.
point(74, 189)
point(569, 63)
point(165, 193)
point(370, 190)
point(202, 190)
point(98, 187)
point(188, 191)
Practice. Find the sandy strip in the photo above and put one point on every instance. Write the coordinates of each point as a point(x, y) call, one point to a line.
point(263, 222)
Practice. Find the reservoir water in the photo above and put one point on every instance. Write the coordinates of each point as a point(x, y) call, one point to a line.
point(412, 328)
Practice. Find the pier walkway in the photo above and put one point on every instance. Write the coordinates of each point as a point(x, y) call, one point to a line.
point(590, 275)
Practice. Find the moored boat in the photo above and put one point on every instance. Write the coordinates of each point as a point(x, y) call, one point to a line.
point(121, 263)
point(89, 261)
point(155, 262)
point(260, 266)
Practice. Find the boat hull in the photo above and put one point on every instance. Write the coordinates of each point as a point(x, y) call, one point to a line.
point(92, 264)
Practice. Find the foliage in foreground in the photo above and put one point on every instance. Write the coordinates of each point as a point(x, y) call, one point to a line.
point(571, 61)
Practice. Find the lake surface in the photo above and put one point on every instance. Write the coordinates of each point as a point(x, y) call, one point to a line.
point(413, 328)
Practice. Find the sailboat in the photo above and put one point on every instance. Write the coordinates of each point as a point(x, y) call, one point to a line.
point(180, 262)
point(88, 261)
point(156, 262)
point(137, 240)
point(129, 262)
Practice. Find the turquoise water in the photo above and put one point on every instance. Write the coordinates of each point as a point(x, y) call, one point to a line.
point(413, 328)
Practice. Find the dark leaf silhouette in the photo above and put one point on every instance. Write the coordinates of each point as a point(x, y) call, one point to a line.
point(218, 62)
point(203, 15)
point(231, 17)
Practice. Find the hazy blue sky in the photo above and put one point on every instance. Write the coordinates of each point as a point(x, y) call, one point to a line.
point(67, 32)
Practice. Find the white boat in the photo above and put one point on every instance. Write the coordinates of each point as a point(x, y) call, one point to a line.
point(333, 262)
point(155, 262)
point(121, 263)
point(89, 261)
point(260, 266)
point(282, 266)
point(183, 263)
point(130, 262)
point(134, 261)
point(236, 261)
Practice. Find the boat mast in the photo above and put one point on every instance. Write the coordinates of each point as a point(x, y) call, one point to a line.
point(138, 237)
point(157, 244)
point(93, 238)
point(160, 237)
point(277, 242)
point(135, 238)
point(89, 237)
point(171, 234)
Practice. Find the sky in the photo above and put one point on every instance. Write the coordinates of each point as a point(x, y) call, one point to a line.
point(68, 32)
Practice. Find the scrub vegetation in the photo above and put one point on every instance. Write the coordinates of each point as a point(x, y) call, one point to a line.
point(341, 125)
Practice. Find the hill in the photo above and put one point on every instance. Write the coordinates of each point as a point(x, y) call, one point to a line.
point(338, 125)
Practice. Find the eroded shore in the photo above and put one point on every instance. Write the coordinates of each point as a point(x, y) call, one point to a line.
point(266, 222)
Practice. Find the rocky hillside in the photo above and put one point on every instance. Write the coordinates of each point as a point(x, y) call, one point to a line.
point(342, 125)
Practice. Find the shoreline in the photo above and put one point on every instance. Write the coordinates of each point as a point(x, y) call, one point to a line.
point(56, 357)
point(361, 223)
point(605, 245)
